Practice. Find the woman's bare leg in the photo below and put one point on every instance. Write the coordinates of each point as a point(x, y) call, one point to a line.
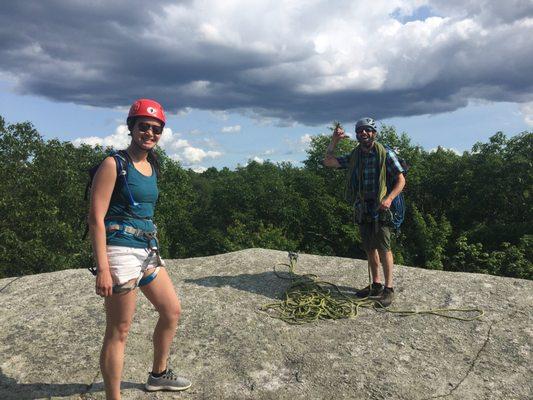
point(119, 313)
point(160, 292)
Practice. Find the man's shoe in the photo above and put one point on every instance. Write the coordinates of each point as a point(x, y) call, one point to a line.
point(168, 381)
point(370, 291)
point(386, 297)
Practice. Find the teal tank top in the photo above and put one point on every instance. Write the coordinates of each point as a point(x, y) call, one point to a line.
point(144, 191)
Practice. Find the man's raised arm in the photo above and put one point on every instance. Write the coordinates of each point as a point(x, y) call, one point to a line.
point(329, 159)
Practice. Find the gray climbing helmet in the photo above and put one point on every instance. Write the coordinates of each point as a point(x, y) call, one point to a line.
point(366, 122)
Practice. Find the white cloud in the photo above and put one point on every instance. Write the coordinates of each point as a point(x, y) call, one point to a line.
point(257, 159)
point(168, 138)
point(194, 155)
point(183, 151)
point(527, 111)
point(221, 115)
point(297, 145)
point(305, 139)
point(385, 58)
point(175, 146)
point(453, 150)
point(118, 140)
point(291, 161)
point(441, 56)
point(231, 129)
point(210, 142)
point(182, 112)
point(196, 132)
point(199, 169)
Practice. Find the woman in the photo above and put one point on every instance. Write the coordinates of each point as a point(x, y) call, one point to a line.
point(126, 254)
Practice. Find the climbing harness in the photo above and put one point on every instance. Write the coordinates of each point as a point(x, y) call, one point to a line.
point(365, 212)
point(308, 299)
point(153, 250)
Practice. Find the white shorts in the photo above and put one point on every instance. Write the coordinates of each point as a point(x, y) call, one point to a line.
point(125, 262)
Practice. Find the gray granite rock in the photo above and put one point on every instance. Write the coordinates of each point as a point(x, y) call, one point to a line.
point(52, 326)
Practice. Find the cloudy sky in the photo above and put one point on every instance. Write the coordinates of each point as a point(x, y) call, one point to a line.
point(253, 79)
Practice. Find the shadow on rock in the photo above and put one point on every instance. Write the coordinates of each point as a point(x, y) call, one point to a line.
point(10, 389)
point(269, 284)
point(265, 283)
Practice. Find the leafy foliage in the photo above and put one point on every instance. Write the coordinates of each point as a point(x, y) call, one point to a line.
point(468, 212)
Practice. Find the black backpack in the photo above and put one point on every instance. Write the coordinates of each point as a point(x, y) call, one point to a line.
point(121, 159)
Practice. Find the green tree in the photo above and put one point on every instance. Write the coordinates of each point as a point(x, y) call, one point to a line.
point(465, 212)
point(41, 201)
point(173, 211)
point(427, 240)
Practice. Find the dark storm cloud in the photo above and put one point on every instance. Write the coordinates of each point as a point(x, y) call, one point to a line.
point(109, 53)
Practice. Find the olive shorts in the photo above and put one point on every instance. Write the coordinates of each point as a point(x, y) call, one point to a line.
point(373, 238)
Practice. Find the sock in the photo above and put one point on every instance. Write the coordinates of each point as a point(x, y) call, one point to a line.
point(159, 375)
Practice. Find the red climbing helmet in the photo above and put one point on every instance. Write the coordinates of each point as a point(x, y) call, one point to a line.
point(147, 108)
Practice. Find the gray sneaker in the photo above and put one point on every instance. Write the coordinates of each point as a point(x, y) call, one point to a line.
point(169, 381)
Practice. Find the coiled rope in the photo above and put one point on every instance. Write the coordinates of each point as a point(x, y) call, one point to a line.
point(308, 299)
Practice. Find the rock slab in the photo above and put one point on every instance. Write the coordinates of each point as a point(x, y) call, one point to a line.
point(52, 326)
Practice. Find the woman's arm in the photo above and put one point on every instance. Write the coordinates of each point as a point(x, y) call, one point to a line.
point(101, 191)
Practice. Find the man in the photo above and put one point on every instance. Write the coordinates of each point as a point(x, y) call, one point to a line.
point(374, 179)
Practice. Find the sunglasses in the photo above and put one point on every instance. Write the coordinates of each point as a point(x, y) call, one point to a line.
point(144, 127)
point(365, 129)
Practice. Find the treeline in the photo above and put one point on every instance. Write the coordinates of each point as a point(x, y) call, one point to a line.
point(469, 212)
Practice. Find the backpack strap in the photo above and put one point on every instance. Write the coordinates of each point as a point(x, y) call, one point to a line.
point(402, 161)
point(122, 158)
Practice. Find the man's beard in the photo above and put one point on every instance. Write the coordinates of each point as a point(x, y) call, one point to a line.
point(368, 142)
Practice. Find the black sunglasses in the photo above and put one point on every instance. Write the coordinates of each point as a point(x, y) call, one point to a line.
point(365, 129)
point(144, 127)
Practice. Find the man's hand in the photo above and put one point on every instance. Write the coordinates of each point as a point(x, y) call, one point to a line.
point(385, 203)
point(338, 134)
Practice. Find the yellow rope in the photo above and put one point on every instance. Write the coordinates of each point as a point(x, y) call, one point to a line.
point(308, 299)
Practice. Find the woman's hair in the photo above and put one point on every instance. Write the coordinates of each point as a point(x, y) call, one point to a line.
point(154, 161)
point(152, 156)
